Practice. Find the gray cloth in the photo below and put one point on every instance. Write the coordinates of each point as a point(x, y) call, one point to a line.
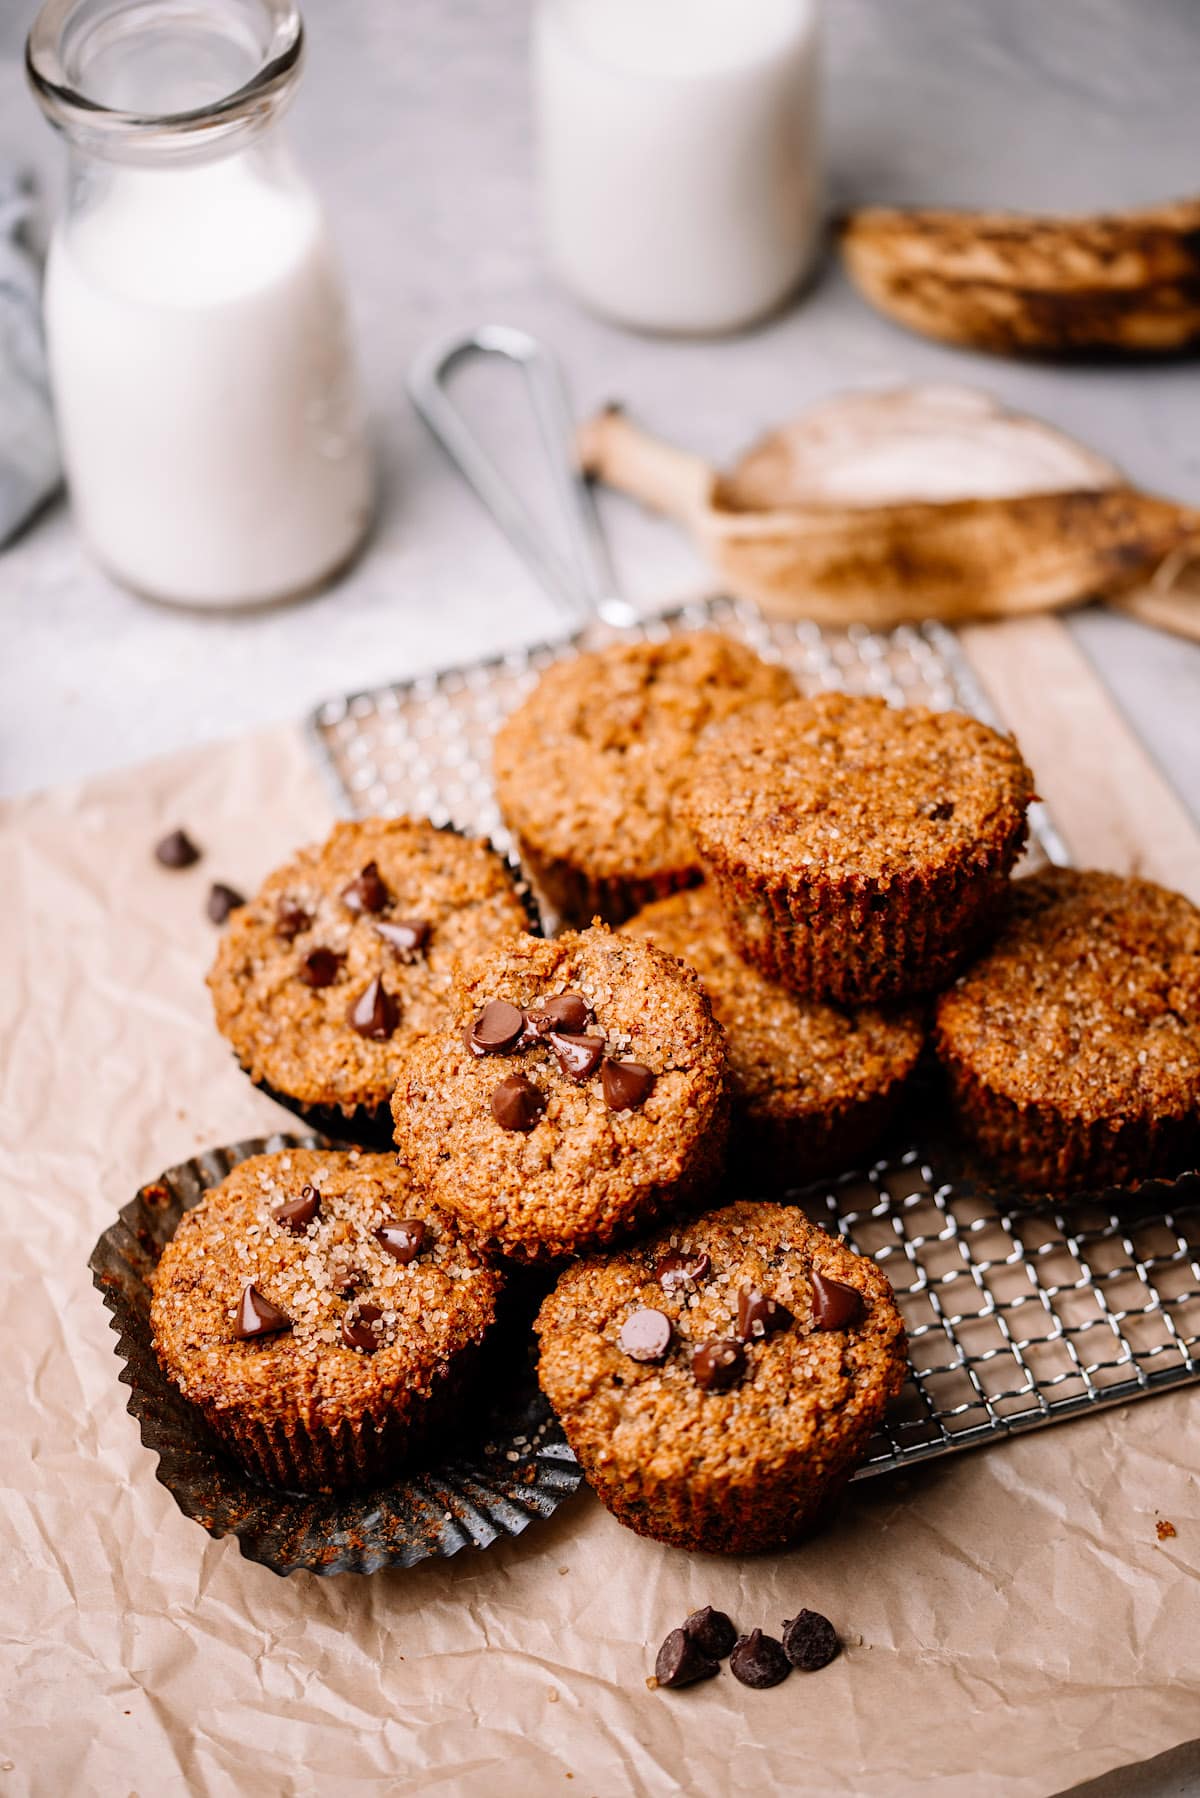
point(29, 464)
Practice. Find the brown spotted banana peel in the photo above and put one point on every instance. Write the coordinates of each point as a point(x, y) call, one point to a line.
point(853, 537)
point(1124, 282)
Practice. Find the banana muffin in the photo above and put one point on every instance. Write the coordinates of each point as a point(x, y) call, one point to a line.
point(345, 952)
point(577, 1091)
point(321, 1314)
point(812, 1085)
point(1073, 1046)
point(859, 850)
point(720, 1383)
point(587, 768)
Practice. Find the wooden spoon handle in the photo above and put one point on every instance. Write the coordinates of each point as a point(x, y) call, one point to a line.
point(618, 452)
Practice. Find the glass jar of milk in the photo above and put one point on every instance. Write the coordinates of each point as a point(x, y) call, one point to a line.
point(204, 381)
point(679, 151)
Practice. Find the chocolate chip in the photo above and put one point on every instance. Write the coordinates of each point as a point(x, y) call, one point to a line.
point(496, 1028)
point(577, 1056)
point(290, 920)
point(366, 892)
point(297, 1214)
point(758, 1315)
point(222, 900)
point(627, 1084)
point(681, 1661)
point(711, 1631)
point(810, 1641)
point(834, 1305)
point(681, 1268)
point(407, 937)
point(939, 810)
point(403, 1238)
point(759, 1660)
point(716, 1366)
point(321, 967)
point(517, 1104)
point(257, 1316)
point(177, 851)
point(645, 1335)
point(360, 1327)
point(374, 1014)
point(568, 1012)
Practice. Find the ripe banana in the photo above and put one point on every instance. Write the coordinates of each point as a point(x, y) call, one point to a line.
point(1121, 281)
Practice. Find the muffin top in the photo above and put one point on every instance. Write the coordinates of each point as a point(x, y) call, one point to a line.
point(588, 767)
point(788, 1057)
point(712, 1351)
point(847, 788)
point(350, 948)
point(578, 1087)
point(371, 1320)
point(1088, 1001)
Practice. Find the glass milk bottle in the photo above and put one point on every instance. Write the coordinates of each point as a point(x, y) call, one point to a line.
point(679, 151)
point(204, 381)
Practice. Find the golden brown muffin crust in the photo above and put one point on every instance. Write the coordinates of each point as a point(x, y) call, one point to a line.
point(297, 1037)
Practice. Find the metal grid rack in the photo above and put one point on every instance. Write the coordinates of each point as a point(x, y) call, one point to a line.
point(1018, 1316)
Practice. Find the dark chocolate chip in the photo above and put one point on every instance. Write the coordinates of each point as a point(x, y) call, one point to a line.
point(290, 919)
point(834, 1304)
point(177, 851)
point(407, 937)
point(627, 1084)
point(222, 900)
point(366, 892)
point(681, 1661)
point(711, 1631)
point(680, 1269)
point(759, 1660)
point(577, 1056)
point(297, 1214)
point(344, 1280)
point(321, 967)
point(496, 1028)
point(645, 1335)
point(940, 809)
point(403, 1238)
point(758, 1315)
point(374, 1014)
point(810, 1641)
point(257, 1316)
point(359, 1327)
point(568, 1012)
point(517, 1104)
point(716, 1366)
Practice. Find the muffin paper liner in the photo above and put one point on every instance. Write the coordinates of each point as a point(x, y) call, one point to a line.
point(506, 1470)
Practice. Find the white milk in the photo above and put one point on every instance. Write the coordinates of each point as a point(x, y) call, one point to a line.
point(679, 149)
point(205, 387)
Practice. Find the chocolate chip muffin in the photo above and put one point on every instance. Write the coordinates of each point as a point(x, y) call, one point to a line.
point(813, 1085)
point(577, 1092)
point(588, 767)
point(1073, 1046)
point(321, 1314)
point(345, 952)
point(720, 1383)
point(859, 850)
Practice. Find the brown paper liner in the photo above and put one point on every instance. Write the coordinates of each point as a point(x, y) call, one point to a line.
point(463, 1491)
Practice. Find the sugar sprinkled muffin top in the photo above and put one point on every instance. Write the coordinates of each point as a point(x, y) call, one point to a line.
point(799, 1384)
point(788, 1056)
point(323, 1276)
point(850, 788)
point(587, 768)
point(395, 901)
point(1088, 1001)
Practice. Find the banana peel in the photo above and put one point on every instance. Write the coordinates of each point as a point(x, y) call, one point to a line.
point(1120, 282)
point(886, 508)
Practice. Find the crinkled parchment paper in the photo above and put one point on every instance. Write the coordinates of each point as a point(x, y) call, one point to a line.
point(1014, 1625)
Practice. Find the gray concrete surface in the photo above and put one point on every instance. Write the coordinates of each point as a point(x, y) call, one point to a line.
point(414, 121)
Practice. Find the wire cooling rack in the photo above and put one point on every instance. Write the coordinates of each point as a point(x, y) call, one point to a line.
point(1018, 1316)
